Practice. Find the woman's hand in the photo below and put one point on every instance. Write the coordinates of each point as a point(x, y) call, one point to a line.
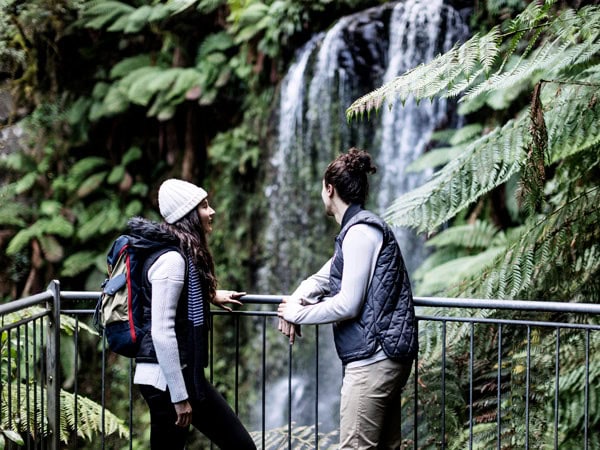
point(184, 413)
point(223, 297)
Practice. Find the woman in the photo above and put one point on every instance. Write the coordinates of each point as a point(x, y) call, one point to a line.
point(171, 361)
point(365, 292)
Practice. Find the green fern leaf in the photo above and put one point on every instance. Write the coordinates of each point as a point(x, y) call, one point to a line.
point(97, 14)
point(476, 235)
point(84, 167)
point(147, 83)
point(10, 213)
point(91, 184)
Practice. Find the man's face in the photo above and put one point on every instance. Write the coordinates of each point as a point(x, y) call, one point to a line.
point(326, 195)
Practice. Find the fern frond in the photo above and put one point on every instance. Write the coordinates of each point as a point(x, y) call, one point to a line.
point(99, 13)
point(577, 128)
point(439, 278)
point(435, 158)
point(544, 251)
point(303, 437)
point(485, 164)
point(478, 234)
point(457, 67)
point(492, 159)
point(128, 65)
point(88, 421)
point(117, 16)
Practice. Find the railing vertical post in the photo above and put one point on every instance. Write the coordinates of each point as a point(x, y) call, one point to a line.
point(53, 366)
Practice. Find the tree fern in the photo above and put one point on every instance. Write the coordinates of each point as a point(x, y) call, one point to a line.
point(491, 160)
point(544, 251)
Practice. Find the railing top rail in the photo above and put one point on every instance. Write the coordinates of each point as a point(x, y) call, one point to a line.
point(523, 305)
point(25, 302)
point(439, 302)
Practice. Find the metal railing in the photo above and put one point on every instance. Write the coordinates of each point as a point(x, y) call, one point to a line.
point(456, 393)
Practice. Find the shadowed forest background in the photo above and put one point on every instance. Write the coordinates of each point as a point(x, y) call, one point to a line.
point(102, 100)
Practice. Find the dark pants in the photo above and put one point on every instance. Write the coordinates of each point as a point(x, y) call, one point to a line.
point(211, 416)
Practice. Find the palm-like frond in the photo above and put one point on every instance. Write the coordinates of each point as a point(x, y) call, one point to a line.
point(117, 16)
point(453, 71)
point(571, 114)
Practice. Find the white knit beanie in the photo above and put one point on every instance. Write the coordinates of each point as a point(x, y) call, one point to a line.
point(176, 198)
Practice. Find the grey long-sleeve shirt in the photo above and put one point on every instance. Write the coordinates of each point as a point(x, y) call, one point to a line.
point(310, 301)
point(311, 304)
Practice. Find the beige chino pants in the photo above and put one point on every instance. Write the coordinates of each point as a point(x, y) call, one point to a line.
point(370, 408)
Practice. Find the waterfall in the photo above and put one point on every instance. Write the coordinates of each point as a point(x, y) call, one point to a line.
point(355, 56)
point(420, 30)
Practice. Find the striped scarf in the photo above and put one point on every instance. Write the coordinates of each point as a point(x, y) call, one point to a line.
point(197, 354)
point(195, 296)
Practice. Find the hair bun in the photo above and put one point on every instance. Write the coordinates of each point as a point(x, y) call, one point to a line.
point(359, 161)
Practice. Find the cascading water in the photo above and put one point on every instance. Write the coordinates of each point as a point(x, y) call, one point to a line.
point(422, 29)
point(358, 54)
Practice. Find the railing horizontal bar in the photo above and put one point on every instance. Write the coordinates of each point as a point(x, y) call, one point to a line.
point(80, 295)
point(244, 313)
point(535, 323)
point(24, 321)
point(78, 311)
point(440, 302)
point(261, 299)
point(26, 302)
point(528, 305)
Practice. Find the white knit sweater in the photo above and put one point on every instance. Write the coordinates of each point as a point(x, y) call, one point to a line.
point(167, 276)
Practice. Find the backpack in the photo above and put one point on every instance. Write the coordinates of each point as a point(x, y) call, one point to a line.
point(120, 309)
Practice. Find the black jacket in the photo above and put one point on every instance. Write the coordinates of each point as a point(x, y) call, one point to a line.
point(149, 236)
point(387, 317)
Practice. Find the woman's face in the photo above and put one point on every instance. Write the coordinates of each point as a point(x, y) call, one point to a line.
point(206, 214)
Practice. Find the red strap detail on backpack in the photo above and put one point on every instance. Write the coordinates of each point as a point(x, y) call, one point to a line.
point(129, 296)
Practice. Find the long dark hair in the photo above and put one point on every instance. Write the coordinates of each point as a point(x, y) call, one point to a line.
point(193, 243)
point(348, 175)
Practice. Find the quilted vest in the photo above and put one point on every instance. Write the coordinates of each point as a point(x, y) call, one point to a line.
point(387, 317)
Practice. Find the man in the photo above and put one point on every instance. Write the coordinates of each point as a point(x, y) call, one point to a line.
point(364, 290)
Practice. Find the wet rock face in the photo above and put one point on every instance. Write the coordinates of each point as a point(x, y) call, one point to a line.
point(366, 45)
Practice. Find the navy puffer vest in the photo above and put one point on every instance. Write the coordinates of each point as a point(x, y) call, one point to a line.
point(145, 231)
point(387, 317)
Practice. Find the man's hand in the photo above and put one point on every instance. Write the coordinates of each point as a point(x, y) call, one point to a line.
point(291, 330)
point(223, 297)
point(184, 413)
